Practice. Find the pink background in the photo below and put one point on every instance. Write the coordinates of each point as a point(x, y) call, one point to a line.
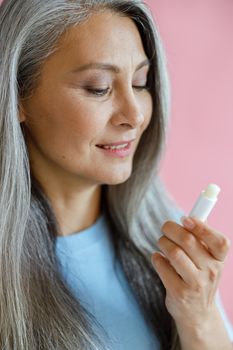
point(197, 36)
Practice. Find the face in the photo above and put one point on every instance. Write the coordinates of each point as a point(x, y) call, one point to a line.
point(76, 108)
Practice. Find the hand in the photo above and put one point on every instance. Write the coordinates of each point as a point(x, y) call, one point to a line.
point(190, 266)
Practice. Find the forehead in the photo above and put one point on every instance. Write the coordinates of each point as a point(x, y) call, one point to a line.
point(104, 36)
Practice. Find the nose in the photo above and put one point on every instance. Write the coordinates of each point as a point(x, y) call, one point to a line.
point(128, 110)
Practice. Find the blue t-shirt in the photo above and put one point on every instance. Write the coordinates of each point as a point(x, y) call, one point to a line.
point(87, 263)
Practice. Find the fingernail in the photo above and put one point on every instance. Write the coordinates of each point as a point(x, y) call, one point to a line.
point(187, 222)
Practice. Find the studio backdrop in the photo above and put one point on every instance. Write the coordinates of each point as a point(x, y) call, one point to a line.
point(197, 36)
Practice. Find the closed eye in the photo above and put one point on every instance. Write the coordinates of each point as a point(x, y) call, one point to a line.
point(97, 92)
point(146, 87)
point(102, 92)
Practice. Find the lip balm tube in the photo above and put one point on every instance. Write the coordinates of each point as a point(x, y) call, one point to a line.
point(205, 202)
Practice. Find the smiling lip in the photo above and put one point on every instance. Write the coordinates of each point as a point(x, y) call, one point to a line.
point(117, 153)
point(115, 143)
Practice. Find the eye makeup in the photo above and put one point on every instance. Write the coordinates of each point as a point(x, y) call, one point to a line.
point(99, 83)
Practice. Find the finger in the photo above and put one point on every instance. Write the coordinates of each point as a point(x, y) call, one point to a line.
point(171, 280)
point(217, 243)
point(189, 243)
point(179, 260)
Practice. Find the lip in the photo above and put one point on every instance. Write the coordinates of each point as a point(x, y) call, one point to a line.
point(115, 143)
point(117, 153)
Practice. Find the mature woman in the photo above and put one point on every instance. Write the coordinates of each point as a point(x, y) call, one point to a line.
point(84, 106)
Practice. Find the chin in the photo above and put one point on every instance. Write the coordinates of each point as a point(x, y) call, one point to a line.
point(117, 179)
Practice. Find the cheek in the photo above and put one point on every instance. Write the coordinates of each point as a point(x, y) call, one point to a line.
point(62, 121)
point(61, 132)
point(147, 107)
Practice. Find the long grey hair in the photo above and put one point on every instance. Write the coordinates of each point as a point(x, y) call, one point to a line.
point(37, 308)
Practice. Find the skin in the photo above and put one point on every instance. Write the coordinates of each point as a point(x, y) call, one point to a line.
point(64, 121)
point(190, 263)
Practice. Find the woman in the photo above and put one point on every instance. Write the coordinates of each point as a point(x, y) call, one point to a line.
point(80, 219)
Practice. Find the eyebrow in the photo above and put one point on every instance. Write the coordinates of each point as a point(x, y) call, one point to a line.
point(107, 66)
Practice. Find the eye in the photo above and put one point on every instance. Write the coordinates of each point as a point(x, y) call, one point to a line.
point(97, 92)
point(102, 92)
point(143, 87)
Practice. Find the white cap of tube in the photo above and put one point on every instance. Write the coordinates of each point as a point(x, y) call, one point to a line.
point(205, 202)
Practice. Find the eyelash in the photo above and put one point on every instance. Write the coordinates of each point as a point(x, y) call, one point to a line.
point(102, 92)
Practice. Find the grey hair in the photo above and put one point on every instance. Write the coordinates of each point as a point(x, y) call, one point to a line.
point(37, 309)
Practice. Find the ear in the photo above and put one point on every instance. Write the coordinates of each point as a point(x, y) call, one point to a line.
point(22, 114)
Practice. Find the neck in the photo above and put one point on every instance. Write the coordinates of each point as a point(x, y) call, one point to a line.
point(79, 212)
